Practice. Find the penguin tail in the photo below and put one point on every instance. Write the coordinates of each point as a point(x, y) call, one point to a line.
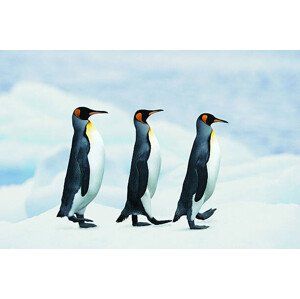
point(123, 216)
point(179, 212)
point(60, 213)
point(176, 217)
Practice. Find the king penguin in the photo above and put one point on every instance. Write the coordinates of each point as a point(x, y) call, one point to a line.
point(202, 173)
point(85, 168)
point(144, 172)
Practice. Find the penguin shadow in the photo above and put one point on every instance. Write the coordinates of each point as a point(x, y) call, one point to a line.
point(68, 228)
point(187, 229)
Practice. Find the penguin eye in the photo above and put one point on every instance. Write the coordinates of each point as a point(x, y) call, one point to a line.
point(204, 118)
point(139, 117)
point(77, 113)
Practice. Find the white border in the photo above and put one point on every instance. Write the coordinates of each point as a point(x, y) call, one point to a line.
point(149, 274)
point(163, 24)
point(156, 24)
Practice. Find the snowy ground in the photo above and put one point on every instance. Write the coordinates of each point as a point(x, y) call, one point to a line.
point(234, 225)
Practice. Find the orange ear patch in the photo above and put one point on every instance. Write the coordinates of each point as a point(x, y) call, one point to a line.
point(77, 112)
point(139, 117)
point(204, 118)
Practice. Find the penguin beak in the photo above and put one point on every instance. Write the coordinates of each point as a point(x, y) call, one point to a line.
point(97, 112)
point(217, 120)
point(155, 111)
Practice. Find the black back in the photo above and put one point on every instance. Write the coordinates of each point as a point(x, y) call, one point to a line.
point(78, 172)
point(196, 176)
point(139, 172)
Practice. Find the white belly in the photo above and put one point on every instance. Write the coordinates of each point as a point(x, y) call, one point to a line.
point(213, 167)
point(154, 164)
point(96, 158)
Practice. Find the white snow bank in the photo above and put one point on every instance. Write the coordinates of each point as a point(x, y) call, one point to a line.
point(238, 225)
point(12, 201)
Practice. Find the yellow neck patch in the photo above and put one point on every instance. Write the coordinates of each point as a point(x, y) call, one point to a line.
point(89, 130)
point(150, 132)
point(212, 135)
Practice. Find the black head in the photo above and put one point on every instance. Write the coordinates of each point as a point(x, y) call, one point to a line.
point(209, 119)
point(143, 114)
point(84, 113)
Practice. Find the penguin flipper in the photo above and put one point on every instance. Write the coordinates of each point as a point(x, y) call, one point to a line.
point(205, 215)
point(143, 173)
point(84, 166)
point(202, 177)
point(77, 176)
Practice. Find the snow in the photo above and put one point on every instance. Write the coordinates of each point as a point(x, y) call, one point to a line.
point(234, 225)
point(12, 201)
point(257, 196)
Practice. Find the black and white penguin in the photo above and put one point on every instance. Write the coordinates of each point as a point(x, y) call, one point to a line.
point(85, 169)
point(144, 172)
point(202, 173)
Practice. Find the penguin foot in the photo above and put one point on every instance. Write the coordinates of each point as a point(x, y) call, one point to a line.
point(192, 225)
point(206, 214)
point(86, 225)
point(81, 219)
point(136, 223)
point(158, 222)
point(199, 227)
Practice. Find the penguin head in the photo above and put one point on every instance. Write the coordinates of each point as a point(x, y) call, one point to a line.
point(84, 113)
point(209, 119)
point(142, 115)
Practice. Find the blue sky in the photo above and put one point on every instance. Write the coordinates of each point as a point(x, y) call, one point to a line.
point(257, 92)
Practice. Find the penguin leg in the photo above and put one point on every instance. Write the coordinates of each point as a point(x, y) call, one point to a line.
point(206, 214)
point(136, 223)
point(157, 222)
point(82, 222)
point(192, 225)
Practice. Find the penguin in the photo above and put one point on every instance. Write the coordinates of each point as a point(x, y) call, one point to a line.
point(85, 169)
point(144, 172)
point(202, 173)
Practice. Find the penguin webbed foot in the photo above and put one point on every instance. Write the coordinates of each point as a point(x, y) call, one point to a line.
point(86, 225)
point(205, 215)
point(136, 223)
point(79, 219)
point(158, 222)
point(82, 222)
point(192, 225)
